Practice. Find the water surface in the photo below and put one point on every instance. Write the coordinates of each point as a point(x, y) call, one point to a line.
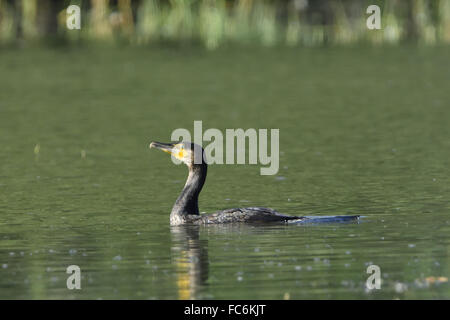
point(362, 131)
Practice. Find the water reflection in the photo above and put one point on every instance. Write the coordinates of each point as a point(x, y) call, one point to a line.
point(190, 255)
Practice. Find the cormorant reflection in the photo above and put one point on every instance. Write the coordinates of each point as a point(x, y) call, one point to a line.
point(191, 260)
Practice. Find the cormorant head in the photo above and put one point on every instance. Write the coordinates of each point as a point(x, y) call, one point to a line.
point(189, 153)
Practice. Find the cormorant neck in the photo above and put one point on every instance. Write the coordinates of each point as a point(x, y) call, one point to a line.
point(187, 202)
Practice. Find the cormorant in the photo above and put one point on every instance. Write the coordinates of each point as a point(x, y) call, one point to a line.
point(185, 209)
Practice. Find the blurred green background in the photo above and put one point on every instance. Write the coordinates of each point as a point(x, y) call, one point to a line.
point(213, 24)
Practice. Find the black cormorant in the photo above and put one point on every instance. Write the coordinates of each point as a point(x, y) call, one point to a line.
point(185, 209)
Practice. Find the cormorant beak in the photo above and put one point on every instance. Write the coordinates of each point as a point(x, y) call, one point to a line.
point(166, 147)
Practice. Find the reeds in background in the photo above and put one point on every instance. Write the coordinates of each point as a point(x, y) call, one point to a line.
point(214, 23)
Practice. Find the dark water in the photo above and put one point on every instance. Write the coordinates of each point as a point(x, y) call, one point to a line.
point(361, 132)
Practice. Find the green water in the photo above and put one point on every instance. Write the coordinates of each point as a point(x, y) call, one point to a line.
point(362, 131)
